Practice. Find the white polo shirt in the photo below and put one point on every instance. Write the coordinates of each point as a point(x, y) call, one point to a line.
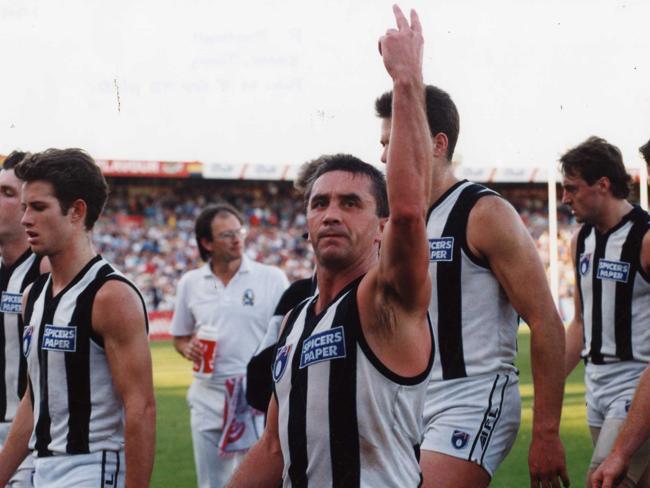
point(238, 314)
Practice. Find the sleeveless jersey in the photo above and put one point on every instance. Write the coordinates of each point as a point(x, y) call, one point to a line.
point(13, 368)
point(76, 408)
point(474, 324)
point(344, 418)
point(614, 291)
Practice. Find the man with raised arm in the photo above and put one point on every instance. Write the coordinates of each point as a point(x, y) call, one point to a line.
point(89, 412)
point(485, 272)
point(352, 363)
point(610, 330)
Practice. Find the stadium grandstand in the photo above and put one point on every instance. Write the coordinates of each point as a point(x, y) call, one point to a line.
point(147, 229)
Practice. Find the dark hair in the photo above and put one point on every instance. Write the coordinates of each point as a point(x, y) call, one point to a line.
point(73, 174)
point(13, 159)
point(306, 174)
point(442, 114)
point(346, 162)
point(645, 151)
point(594, 159)
point(203, 225)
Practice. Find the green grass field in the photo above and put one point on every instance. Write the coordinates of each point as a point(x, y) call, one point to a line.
point(174, 466)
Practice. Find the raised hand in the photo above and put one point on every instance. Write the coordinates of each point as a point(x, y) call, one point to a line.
point(401, 48)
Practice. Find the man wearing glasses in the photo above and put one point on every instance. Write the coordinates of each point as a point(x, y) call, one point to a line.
point(221, 314)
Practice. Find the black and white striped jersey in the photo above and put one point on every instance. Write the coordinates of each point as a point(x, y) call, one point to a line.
point(474, 324)
point(344, 418)
point(614, 291)
point(76, 407)
point(13, 368)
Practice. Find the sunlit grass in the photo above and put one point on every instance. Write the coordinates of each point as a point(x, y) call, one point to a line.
point(174, 466)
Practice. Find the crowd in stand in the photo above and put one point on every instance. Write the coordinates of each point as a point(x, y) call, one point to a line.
point(148, 231)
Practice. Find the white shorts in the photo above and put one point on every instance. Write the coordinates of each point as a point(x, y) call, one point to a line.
point(104, 469)
point(610, 389)
point(603, 439)
point(22, 478)
point(475, 419)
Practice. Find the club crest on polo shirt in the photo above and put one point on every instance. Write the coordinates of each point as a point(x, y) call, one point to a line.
point(248, 298)
point(459, 439)
point(28, 332)
point(281, 360)
point(324, 346)
point(11, 302)
point(441, 249)
point(585, 260)
point(59, 338)
point(613, 270)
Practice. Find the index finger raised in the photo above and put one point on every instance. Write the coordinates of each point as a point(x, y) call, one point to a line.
point(402, 23)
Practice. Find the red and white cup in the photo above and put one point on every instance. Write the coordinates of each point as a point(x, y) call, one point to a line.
point(205, 367)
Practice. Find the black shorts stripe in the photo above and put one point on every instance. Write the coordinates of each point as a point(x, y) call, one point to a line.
point(103, 469)
point(485, 418)
point(496, 419)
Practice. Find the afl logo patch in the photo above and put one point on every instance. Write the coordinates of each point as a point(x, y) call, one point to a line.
point(248, 298)
point(459, 439)
point(585, 259)
point(280, 363)
point(27, 339)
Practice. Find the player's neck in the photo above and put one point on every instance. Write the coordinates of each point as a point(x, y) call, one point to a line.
point(443, 179)
point(612, 215)
point(225, 270)
point(68, 262)
point(332, 281)
point(13, 249)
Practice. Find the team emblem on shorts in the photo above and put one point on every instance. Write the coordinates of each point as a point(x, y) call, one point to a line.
point(27, 339)
point(281, 359)
point(459, 439)
point(585, 259)
point(248, 298)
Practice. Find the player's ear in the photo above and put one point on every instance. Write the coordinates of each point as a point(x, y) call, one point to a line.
point(206, 243)
point(440, 145)
point(604, 184)
point(382, 225)
point(78, 210)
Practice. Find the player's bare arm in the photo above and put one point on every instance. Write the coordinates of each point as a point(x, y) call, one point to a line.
point(119, 317)
point(496, 232)
point(635, 431)
point(263, 463)
point(575, 331)
point(400, 288)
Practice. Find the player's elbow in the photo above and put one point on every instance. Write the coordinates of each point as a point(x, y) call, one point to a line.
point(407, 217)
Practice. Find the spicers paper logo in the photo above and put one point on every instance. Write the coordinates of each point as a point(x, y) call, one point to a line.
point(441, 249)
point(613, 270)
point(62, 339)
point(11, 302)
point(323, 346)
